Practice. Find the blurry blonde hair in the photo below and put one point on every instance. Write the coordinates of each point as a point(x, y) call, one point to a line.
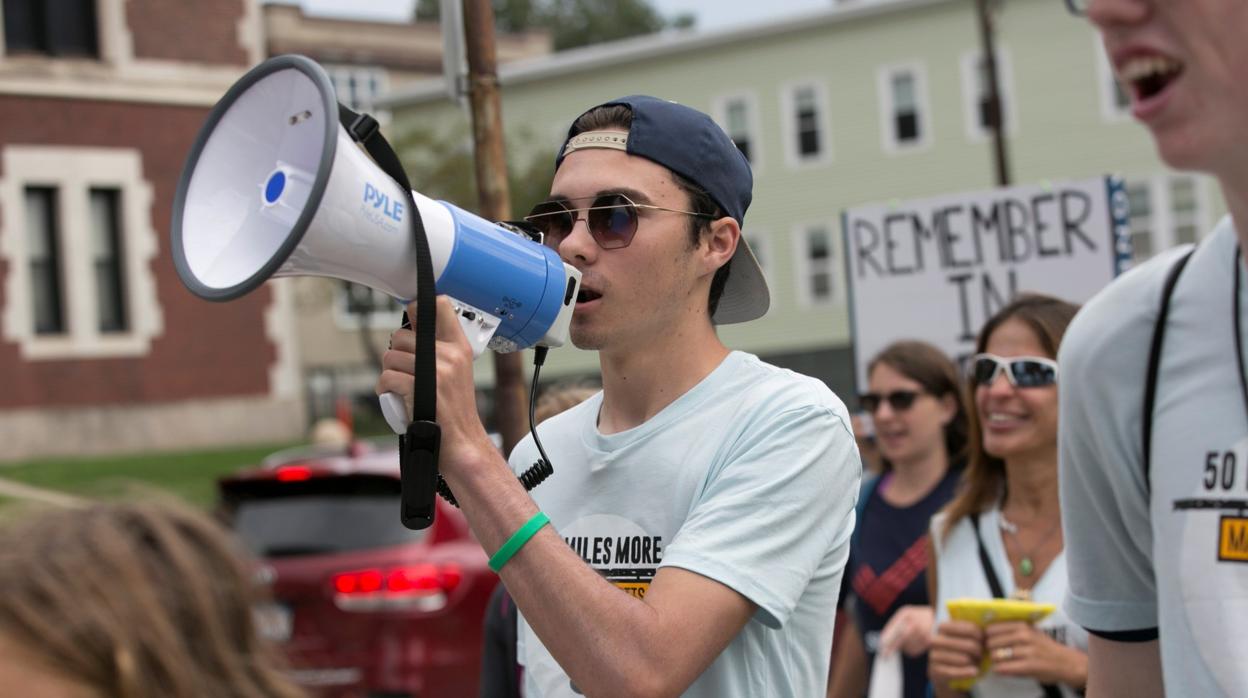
point(560, 397)
point(136, 600)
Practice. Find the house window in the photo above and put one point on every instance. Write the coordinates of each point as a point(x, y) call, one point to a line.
point(976, 88)
point(356, 304)
point(1165, 210)
point(806, 113)
point(81, 281)
point(358, 87)
point(44, 258)
point(816, 265)
point(50, 27)
point(107, 260)
point(760, 246)
point(737, 118)
point(903, 106)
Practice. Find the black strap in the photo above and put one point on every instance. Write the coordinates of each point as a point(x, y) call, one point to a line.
point(418, 448)
point(994, 585)
point(1154, 365)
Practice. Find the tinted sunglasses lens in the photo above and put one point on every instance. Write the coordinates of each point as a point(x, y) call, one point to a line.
point(984, 370)
point(1032, 374)
point(902, 399)
point(869, 402)
point(553, 219)
point(612, 221)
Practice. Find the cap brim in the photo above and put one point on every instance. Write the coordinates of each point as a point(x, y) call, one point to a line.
point(745, 294)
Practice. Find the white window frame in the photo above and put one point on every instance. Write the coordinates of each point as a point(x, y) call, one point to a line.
point(804, 267)
point(975, 133)
point(1105, 83)
point(1161, 222)
point(884, 86)
point(788, 107)
point(719, 108)
point(339, 72)
point(73, 172)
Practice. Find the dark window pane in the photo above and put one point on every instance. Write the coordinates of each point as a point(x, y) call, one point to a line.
point(106, 258)
point(819, 244)
point(71, 28)
point(744, 146)
point(907, 127)
point(43, 253)
point(277, 519)
point(808, 142)
point(24, 26)
point(821, 285)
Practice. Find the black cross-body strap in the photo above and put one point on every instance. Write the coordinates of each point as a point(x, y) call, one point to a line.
point(1154, 365)
point(418, 448)
point(994, 585)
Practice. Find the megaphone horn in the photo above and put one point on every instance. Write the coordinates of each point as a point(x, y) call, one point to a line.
point(274, 186)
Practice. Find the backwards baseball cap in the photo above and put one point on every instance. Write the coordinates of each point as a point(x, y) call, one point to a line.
point(689, 143)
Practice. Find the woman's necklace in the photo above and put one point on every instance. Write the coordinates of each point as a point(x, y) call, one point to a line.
point(1026, 567)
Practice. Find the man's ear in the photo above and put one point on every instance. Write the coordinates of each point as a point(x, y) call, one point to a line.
point(721, 237)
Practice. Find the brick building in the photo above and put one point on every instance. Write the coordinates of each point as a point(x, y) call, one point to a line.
point(101, 347)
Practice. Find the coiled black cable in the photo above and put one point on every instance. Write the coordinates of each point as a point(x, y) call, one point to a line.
point(541, 468)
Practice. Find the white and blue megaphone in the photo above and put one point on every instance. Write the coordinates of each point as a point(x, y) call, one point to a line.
point(275, 186)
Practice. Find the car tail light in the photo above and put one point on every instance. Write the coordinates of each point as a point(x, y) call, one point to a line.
point(294, 473)
point(422, 587)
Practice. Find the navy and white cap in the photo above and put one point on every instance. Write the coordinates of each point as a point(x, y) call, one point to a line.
point(691, 144)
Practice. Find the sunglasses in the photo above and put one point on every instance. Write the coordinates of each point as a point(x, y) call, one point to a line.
point(1078, 8)
point(611, 219)
point(1021, 371)
point(899, 400)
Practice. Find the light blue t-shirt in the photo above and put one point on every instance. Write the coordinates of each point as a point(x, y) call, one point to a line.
point(750, 479)
point(1169, 553)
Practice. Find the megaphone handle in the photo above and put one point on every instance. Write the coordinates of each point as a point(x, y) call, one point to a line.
point(395, 412)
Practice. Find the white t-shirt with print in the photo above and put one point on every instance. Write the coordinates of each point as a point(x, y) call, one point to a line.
point(1177, 559)
point(750, 479)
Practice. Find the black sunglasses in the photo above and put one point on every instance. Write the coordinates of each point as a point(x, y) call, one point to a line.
point(1021, 371)
point(1078, 8)
point(899, 400)
point(611, 218)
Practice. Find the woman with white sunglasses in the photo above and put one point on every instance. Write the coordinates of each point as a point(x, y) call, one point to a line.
point(1001, 535)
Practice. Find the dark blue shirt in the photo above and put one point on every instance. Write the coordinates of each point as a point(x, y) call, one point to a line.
point(887, 569)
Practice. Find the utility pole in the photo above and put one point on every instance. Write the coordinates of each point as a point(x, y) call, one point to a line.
point(494, 195)
point(987, 45)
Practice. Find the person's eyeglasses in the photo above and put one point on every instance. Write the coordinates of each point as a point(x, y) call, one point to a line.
point(611, 218)
point(899, 400)
point(1078, 8)
point(1021, 371)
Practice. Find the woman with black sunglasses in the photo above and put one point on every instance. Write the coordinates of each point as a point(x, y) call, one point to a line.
point(920, 431)
point(1001, 536)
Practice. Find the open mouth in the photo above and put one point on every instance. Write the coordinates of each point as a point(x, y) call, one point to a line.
point(1148, 76)
point(586, 295)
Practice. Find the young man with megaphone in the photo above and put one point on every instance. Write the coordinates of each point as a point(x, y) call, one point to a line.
point(700, 515)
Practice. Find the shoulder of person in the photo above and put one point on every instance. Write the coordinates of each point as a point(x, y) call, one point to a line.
point(776, 388)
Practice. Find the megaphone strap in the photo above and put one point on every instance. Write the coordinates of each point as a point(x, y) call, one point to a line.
point(419, 446)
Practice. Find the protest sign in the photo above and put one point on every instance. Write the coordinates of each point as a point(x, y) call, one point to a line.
point(936, 269)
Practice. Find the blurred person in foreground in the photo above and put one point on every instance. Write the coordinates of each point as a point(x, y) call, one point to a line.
point(135, 600)
point(1001, 536)
point(1153, 490)
point(501, 673)
point(915, 402)
point(702, 503)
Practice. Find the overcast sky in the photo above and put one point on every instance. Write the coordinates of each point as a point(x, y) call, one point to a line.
point(711, 14)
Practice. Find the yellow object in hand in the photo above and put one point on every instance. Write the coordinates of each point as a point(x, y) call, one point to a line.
point(985, 612)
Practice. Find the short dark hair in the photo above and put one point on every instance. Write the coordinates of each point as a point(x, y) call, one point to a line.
point(620, 116)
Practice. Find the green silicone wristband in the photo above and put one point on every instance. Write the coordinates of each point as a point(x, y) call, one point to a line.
point(517, 540)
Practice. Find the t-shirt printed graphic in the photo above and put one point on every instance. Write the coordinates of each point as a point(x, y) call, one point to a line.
point(618, 549)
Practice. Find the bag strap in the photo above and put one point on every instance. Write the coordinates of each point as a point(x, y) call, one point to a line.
point(994, 585)
point(419, 447)
point(1154, 365)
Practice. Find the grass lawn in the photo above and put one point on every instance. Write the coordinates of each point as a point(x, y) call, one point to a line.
point(189, 475)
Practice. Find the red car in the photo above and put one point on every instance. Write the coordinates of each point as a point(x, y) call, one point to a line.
point(363, 606)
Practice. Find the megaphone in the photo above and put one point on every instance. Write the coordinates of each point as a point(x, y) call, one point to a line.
point(275, 186)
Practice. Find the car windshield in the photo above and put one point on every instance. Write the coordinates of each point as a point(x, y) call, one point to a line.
point(318, 516)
